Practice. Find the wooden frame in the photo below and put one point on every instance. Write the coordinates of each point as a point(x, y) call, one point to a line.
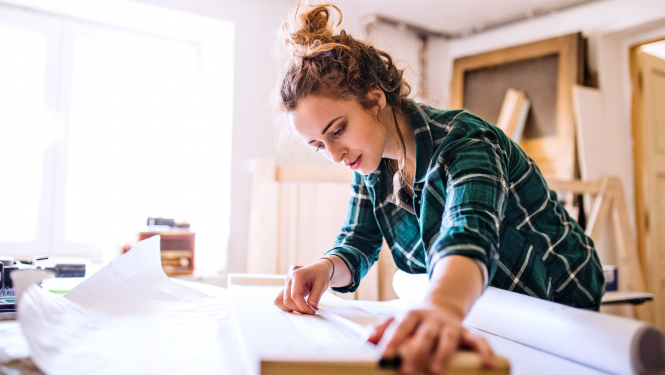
point(639, 159)
point(555, 156)
point(610, 201)
point(643, 169)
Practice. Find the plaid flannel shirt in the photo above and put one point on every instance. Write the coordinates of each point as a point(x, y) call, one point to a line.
point(476, 194)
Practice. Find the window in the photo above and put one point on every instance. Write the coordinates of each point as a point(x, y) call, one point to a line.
point(102, 127)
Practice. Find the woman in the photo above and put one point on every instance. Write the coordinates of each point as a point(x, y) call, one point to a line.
point(450, 193)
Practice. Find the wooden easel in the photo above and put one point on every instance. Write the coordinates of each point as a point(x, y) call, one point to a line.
point(610, 200)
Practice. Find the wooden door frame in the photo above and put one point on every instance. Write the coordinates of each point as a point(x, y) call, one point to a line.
point(637, 131)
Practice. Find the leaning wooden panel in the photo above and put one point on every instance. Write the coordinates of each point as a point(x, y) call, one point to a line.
point(555, 155)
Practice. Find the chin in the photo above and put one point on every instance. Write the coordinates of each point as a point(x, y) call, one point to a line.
point(367, 170)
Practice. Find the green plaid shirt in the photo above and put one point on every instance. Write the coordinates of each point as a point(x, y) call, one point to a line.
point(477, 194)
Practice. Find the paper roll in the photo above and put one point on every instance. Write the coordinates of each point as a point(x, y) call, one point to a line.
point(605, 342)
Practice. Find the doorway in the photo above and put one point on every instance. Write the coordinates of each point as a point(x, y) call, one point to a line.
point(647, 65)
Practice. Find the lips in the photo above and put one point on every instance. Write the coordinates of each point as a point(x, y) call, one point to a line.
point(356, 163)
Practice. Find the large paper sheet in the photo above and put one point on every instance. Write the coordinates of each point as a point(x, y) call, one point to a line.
point(130, 318)
point(609, 343)
point(271, 334)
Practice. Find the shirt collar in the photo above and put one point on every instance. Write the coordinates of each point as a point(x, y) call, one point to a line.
point(420, 120)
point(424, 143)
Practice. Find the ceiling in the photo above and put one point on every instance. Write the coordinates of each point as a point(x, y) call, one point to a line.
point(453, 17)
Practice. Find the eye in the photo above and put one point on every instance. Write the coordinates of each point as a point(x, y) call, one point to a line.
point(319, 147)
point(339, 131)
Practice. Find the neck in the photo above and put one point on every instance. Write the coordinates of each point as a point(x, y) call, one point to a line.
point(392, 148)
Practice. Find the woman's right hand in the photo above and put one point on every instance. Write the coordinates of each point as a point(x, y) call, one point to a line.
point(304, 287)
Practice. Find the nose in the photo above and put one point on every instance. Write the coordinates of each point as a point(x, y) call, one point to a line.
point(337, 154)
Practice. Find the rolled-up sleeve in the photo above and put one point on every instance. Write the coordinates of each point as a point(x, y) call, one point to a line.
point(472, 172)
point(360, 240)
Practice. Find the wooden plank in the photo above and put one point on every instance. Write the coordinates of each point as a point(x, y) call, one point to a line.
point(575, 186)
point(264, 230)
point(308, 212)
point(512, 117)
point(599, 211)
point(288, 226)
point(590, 124)
point(369, 286)
point(261, 224)
point(327, 223)
point(387, 269)
point(631, 271)
point(466, 363)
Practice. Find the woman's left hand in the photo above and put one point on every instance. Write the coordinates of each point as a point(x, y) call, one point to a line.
point(426, 338)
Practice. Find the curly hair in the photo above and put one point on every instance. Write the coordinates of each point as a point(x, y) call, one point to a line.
point(320, 61)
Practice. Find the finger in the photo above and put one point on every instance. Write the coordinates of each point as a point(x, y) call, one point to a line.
point(479, 345)
point(279, 301)
point(287, 301)
point(419, 348)
point(298, 289)
point(316, 293)
point(378, 331)
point(447, 345)
point(397, 332)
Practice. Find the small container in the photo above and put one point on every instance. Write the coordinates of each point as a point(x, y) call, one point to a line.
point(611, 278)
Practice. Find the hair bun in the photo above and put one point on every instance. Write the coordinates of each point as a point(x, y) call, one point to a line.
point(313, 32)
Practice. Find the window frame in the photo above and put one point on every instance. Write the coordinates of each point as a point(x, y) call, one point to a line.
point(61, 21)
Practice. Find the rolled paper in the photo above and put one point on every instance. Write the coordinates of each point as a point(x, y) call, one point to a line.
point(605, 342)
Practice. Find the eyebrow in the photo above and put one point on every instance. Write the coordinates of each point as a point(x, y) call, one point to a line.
point(325, 129)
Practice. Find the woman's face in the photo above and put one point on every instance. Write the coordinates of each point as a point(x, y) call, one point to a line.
point(344, 131)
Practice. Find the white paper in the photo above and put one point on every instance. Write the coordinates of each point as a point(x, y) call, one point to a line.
point(268, 333)
point(130, 318)
point(609, 343)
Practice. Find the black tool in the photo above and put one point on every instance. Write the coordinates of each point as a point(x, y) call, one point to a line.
point(390, 363)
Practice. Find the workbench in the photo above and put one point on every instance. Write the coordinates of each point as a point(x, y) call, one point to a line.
point(523, 359)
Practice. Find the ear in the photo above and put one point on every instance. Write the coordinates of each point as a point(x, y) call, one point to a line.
point(377, 95)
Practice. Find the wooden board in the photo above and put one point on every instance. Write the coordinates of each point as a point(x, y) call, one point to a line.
point(590, 124)
point(514, 114)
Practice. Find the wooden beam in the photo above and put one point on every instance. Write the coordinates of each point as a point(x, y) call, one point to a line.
point(599, 211)
point(631, 269)
point(575, 186)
